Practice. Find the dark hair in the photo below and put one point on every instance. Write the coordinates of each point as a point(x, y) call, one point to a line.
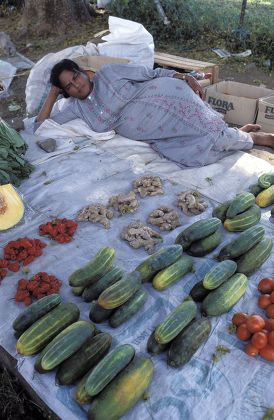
point(57, 69)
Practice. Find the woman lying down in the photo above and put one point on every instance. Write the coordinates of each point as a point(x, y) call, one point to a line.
point(160, 107)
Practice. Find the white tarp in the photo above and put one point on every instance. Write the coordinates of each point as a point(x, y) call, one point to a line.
point(237, 387)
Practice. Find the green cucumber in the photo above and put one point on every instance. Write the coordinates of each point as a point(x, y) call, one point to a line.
point(220, 211)
point(239, 204)
point(172, 274)
point(198, 292)
point(201, 229)
point(255, 189)
point(77, 291)
point(98, 314)
point(93, 291)
point(244, 220)
point(206, 245)
point(255, 257)
point(219, 274)
point(266, 180)
point(81, 394)
point(128, 309)
point(154, 347)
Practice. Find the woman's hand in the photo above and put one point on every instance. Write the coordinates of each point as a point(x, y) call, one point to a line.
point(192, 82)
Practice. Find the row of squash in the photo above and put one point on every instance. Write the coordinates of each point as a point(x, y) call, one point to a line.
point(113, 382)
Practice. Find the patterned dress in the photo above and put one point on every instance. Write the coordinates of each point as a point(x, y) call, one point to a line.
point(150, 105)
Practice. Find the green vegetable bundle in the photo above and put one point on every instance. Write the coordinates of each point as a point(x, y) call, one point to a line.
point(13, 167)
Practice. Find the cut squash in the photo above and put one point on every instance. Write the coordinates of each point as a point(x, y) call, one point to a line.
point(11, 207)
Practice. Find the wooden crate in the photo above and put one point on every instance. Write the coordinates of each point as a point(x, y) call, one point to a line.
point(182, 63)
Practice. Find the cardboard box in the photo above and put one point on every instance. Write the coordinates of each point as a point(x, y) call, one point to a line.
point(265, 116)
point(238, 102)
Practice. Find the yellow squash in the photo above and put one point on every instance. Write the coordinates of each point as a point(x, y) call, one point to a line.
point(11, 207)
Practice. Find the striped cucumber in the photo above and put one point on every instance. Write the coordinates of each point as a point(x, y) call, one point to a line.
point(108, 368)
point(219, 274)
point(39, 334)
point(154, 347)
point(255, 257)
point(97, 313)
point(35, 311)
point(121, 291)
point(99, 265)
point(176, 321)
point(266, 180)
point(172, 274)
point(239, 204)
point(81, 394)
point(185, 345)
point(206, 245)
point(266, 197)
point(220, 211)
point(255, 189)
point(242, 243)
point(77, 291)
point(158, 261)
point(129, 308)
point(93, 291)
point(91, 352)
point(64, 345)
point(244, 220)
point(201, 229)
point(222, 299)
point(198, 292)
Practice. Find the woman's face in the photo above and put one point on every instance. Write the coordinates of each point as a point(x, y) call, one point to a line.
point(75, 83)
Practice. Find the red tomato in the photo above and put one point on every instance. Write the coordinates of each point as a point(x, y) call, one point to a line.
point(270, 311)
point(239, 318)
point(266, 285)
point(272, 297)
point(267, 353)
point(271, 338)
point(269, 324)
point(259, 340)
point(251, 350)
point(264, 301)
point(255, 323)
point(243, 333)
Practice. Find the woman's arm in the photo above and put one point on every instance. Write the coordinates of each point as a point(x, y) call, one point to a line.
point(46, 109)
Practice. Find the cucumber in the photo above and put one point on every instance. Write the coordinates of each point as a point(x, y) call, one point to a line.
point(255, 189)
point(154, 347)
point(175, 322)
point(266, 197)
point(242, 243)
point(35, 311)
point(198, 292)
point(99, 265)
point(39, 334)
point(108, 368)
point(121, 291)
point(266, 180)
point(255, 257)
point(93, 291)
point(244, 220)
point(92, 351)
point(239, 204)
point(201, 229)
point(158, 261)
point(220, 211)
point(124, 391)
point(77, 291)
point(219, 274)
point(222, 299)
point(128, 309)
point(81, 394)
point(185, 345)
point(172, 274)
point(64, 345)
point(98, 314)
point(206, 245)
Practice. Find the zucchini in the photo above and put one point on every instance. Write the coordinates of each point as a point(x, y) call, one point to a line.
point(219, 274)
point(172, 274)
point(242, 243)
point(97, 313)
point(39, 334)
point(222, 299)
point(239, 204)
point(124, 391)
point(154, 347)
point(176, 321)
point(128, 309)
point(255, 257)
point(206, 245)
point(255, 189)
point(35, 311)
point(64, 345)
point(266, 180)
point(158, 261)
point(220, 211)
point(201, 229)
point(99, 265)
point(108, 368)
point(244, 220)
point(185, 345)
point(121, 291)
point(198, 292)
point(93, 291)
point(266, 197)
point(91, 352)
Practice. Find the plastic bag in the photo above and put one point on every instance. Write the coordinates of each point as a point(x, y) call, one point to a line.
point(38, 84)
point(128, 39)
point(7, 71)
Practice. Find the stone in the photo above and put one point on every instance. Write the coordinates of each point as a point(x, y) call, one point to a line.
point(48, 145)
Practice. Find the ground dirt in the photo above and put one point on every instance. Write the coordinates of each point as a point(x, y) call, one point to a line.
point(14, 402)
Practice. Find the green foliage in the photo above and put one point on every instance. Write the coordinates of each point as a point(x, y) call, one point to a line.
point(214, 20)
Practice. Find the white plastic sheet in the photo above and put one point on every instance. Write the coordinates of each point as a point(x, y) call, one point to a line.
point(7, 71)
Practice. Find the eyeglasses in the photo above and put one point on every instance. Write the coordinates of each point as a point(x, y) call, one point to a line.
point(75, 77)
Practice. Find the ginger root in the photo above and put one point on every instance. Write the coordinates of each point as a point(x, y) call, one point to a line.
point(96, 213)
point(124, 203)
point(191, 202)
point(164, 217)
point(148, 185)
point(138, 235)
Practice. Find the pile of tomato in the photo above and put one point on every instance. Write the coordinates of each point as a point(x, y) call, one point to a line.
point(60, 230)
point(40, 285)
point(254, 328)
